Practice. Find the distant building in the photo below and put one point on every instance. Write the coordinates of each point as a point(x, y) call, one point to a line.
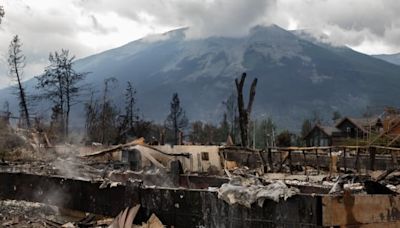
point(322, 136)
point(346, 128)
point(359, 127)
point(383, 130)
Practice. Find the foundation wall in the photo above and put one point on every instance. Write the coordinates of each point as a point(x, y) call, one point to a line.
point(201, 208)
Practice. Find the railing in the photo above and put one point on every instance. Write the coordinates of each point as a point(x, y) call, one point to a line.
point(350, 157)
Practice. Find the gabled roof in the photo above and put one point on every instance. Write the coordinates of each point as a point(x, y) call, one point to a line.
point(328, 130)
point(366, 121)
point(360, 123)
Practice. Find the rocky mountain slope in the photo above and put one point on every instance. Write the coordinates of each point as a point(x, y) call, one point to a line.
point(297, 76)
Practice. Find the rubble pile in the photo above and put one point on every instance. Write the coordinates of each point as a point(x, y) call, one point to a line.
point(185, 169)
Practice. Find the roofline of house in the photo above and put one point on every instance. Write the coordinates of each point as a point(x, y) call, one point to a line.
point(353, 122)
point(316, 126)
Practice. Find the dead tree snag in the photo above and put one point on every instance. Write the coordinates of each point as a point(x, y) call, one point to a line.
point(244, 113)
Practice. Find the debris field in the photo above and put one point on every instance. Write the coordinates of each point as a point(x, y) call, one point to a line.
point(141, 185)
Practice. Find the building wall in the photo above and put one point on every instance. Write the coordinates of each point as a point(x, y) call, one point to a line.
point(198, 161)
point(202, 158)
point(349, 130)
point(318, 138)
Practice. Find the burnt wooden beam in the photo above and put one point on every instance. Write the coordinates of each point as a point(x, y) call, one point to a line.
point(305, 162)
point(372, 153)
point(394, 159)
point(344, 160)
point(357, 162)
point(290, 161)
point(317, 158)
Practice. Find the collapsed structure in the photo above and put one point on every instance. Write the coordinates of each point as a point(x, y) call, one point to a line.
point(213, 186)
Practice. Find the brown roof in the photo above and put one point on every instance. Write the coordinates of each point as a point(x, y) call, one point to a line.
point(366, 122)
point(361, 123)
point(328, 130)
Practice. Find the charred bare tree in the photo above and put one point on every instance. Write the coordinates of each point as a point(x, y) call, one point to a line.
point(61, 84)
point(101, 117)
point(16, 62)
point(131, 117)
point(108, 113)
point(244, 113)
point(176, 120)
point(231, 116)
point(91, 116)
point(131, 124)
point(131, 111)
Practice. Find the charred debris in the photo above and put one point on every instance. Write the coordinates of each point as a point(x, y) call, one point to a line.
point(201, 186)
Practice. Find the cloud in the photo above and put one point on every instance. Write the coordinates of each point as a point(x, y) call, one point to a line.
point(45, 26)
point(99, 28)
point(205, 18)
point(357, 23)
point(361, 24)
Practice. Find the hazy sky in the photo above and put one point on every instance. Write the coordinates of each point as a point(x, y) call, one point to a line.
point(90, 26)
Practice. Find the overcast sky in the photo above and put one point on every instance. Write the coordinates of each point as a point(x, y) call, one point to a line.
point(89, 26)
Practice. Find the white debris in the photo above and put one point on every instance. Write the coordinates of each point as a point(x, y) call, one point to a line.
point(248, 194)
point(337, 188)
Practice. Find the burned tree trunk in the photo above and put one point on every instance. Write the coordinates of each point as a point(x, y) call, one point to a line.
point(16, 61)
point(244, 113)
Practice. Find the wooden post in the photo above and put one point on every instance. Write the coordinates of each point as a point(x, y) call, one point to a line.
point(290, 161)
point(394, 159)
point(262, 160)
point(357, 163)
point(305, 162)
point(317, 159)
point(180, 138)
point(344, 159)
point(330, 161)
point(162, 137)
point(372, 158)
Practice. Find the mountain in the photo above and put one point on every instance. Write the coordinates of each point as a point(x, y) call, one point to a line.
point(393, 58)
point(296, 75)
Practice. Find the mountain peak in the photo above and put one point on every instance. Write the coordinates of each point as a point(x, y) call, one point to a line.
point(296, 77)
point(272, 33)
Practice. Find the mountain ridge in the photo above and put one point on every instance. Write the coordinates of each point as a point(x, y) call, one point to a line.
point(296, 76)
point(391, 58)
